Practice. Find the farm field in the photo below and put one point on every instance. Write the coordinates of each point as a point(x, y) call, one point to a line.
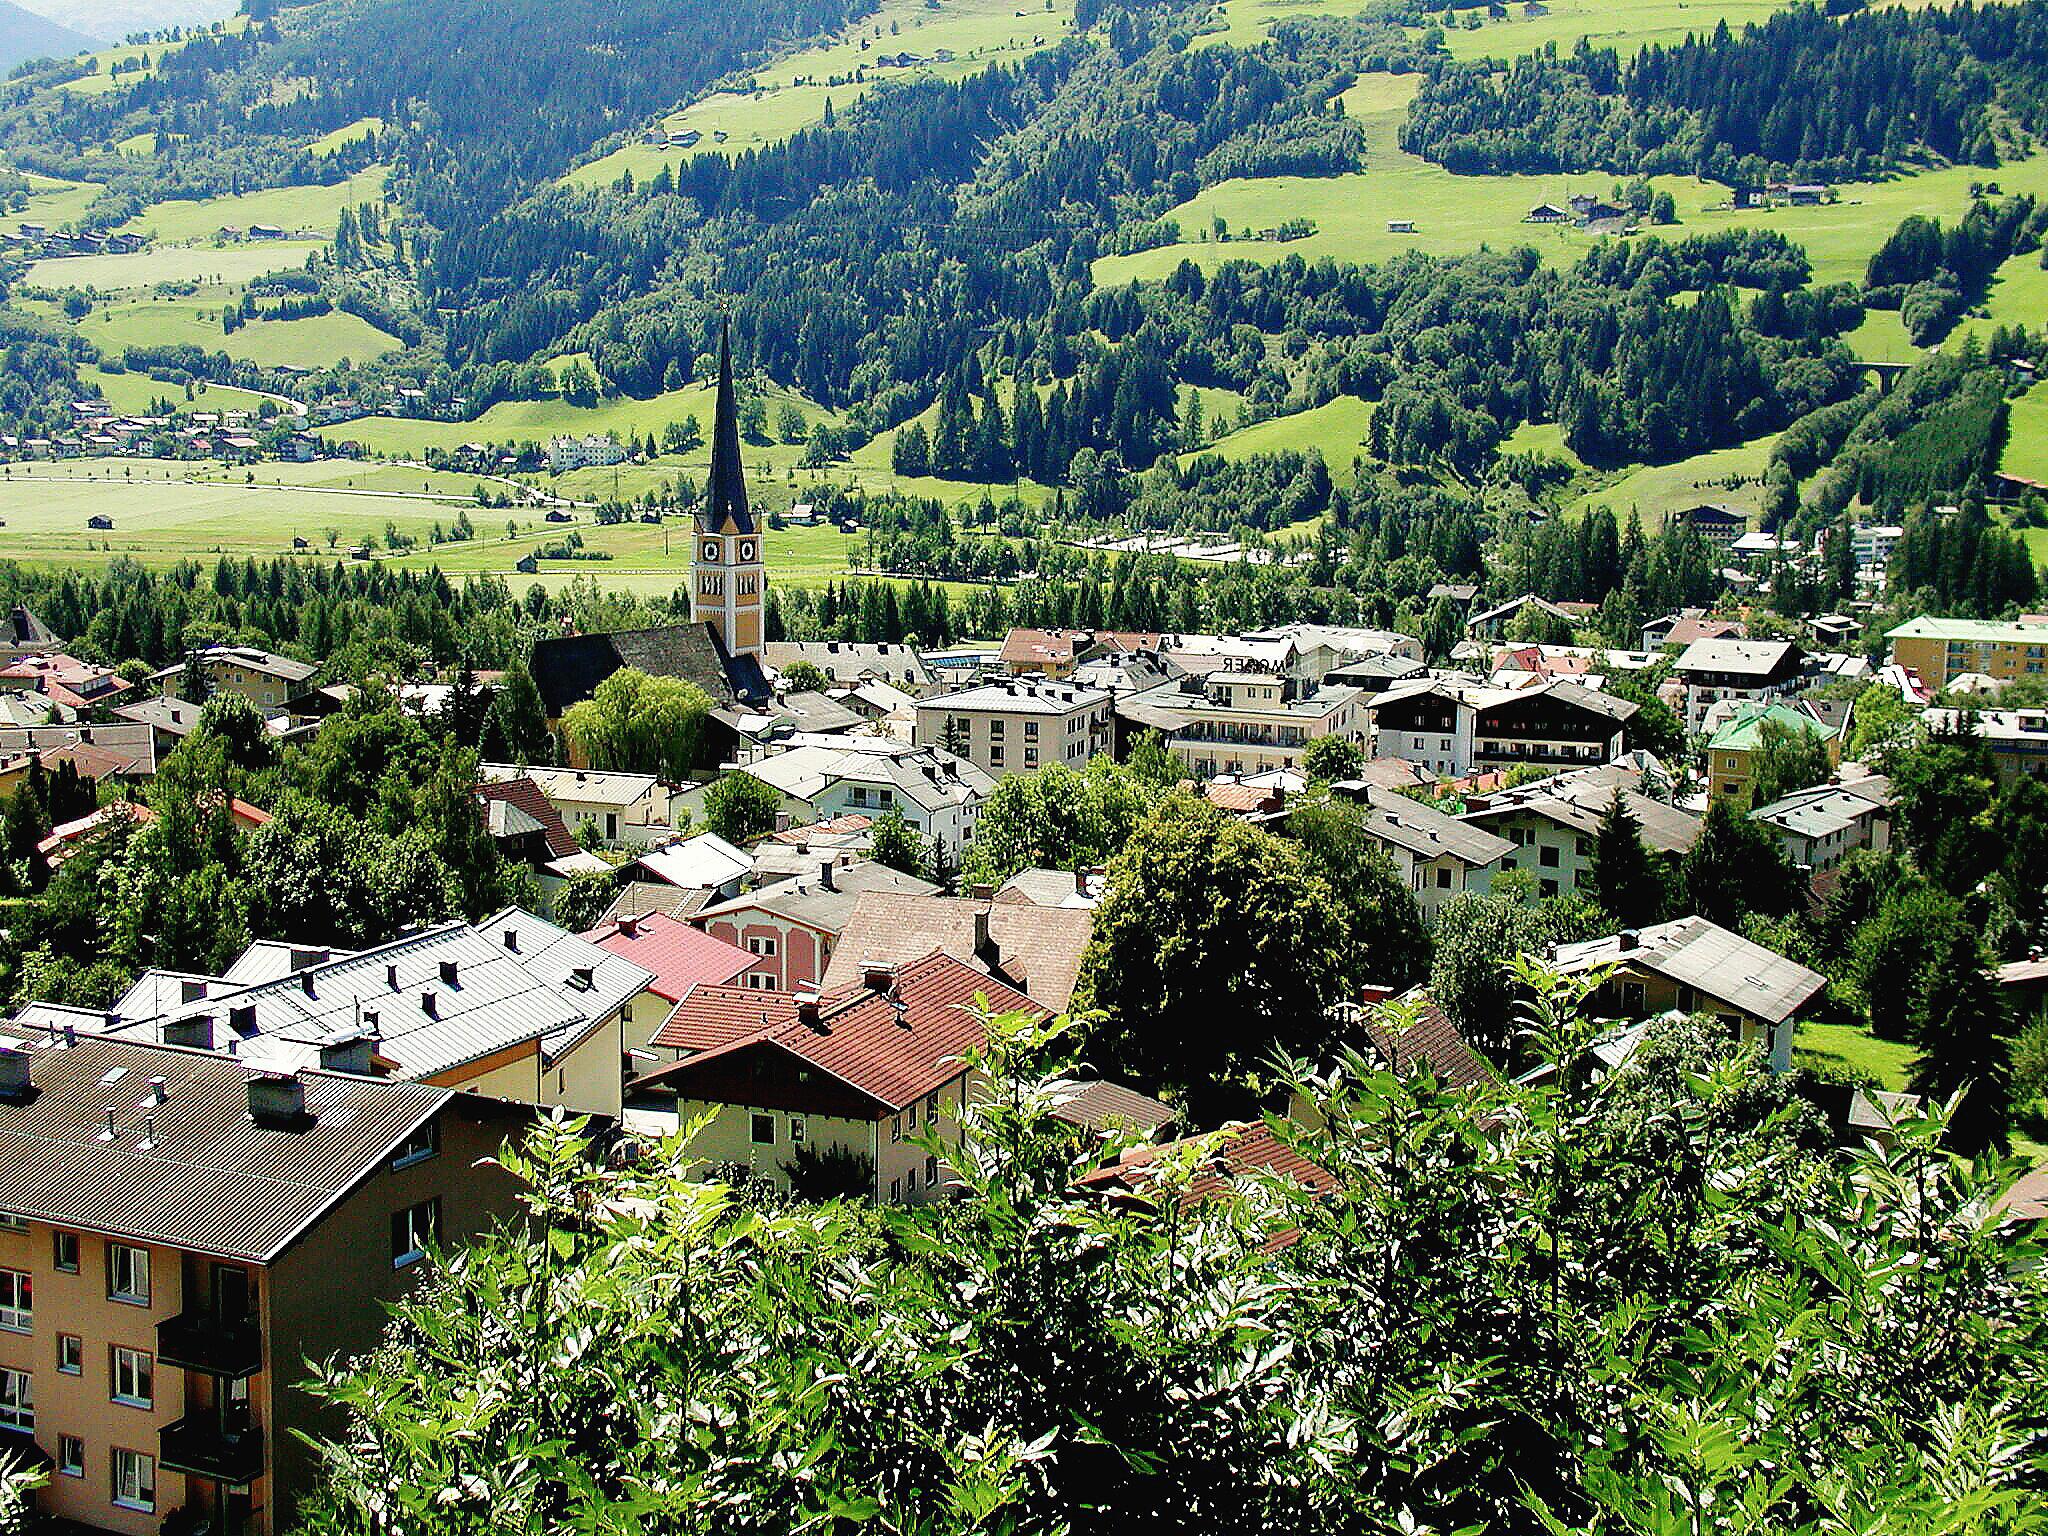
point(792, 91)
point(2026, 437)
point(1625, 26)
point(318, 341)
point(1453, 214)
point(1657, 489)
point(104, 81)
point(1336, 430)
point(220, 265)
point(309, 209)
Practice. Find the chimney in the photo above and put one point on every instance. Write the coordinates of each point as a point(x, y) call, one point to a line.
point(306, 982)
point(512, 940)
point(15, 1087)
point(427, 1004)
point(370, 1025)
point(629, 927)
point(196, 1032)
point(583, 977)
point(981, 893)
point(825, 874)
point(276, 1099)
point(985, 949)
point(242, 1019)
point(349, 1053)
point(809, 1010)
point(1627, 940)
point(391, 977)
point(448, 972)
point(877, 975)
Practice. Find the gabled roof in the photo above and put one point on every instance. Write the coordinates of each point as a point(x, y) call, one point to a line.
point(1708, 958)
point(523, 795)
point(210, 1178)
point(823, 900)
point(1433, 1040)
point(892, 1047)
point(1758, 658)
point(704, 862)
point(1826, 808)
point(1240, 1153)
point(1580, 804)
point(1101, 1106)
point(568, 668)
point(1426, 832)
point(1745, 729)
point(1037, 949)
point(679, 955)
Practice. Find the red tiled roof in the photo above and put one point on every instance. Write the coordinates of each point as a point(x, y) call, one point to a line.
point(92, 761)
point(681, 956)
point(808, 833)
point(1241, 799)
point(526, 795)
point(58, 846)
point(1246, 1150)
point(861, 1038)
point(1433, 1039)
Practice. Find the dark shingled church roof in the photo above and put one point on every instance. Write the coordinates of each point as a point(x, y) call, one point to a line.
point(568, 670)
point(725, 498)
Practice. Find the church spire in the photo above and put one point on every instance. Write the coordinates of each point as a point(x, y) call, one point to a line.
point(725, 498)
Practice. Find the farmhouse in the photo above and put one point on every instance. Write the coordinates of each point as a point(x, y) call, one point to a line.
point(1546, 213)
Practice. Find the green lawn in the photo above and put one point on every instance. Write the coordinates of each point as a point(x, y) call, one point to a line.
point(1856, 1047)
point(2026, 442)
point(1657, 489)
point(1544, 437)
point(347, 134)
point(133, 393)
point(310, 210)
point(319, 341)
point(793, 90)
point(219, 265)
point(1453, 214)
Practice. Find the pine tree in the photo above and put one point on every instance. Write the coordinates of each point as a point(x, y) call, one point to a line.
point(1959, 1023)
point(1625, 880)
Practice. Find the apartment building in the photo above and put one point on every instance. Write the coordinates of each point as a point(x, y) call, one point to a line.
point(1554, 824)
point(1437, 855)
point(267, 680)
point(1821, 826)
point(1240, 722)
point(1941, 650)
point(1455, 727)
point(511, 1008)
point(1731, 750)
point(178, 1236)
point(1746, 671)
point(567, 453)
point(2017, 739)
point(1018, 724)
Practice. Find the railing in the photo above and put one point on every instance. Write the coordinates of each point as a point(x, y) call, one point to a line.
point(204, 1341)
point(197, 1445)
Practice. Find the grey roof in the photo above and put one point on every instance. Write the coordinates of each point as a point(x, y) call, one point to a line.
point(928, 777)
point(847, 661)
point(207, 1178)
point(816, 712)
point(576, 786)
point(1708, 958)
point(1823, 810)
point(823, 900)
point(1019, 696)
point(1759, 658)
point(252, 657)
point(165, 712)
point(126, 740)
point(1581, 804)
point(1427, 832)
point(514, 981)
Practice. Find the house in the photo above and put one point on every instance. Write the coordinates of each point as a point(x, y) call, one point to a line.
point(1075, 889)
point(848, 665)
point(706, 862)
point(182, 1235)
point(1453, 726)
point(792, 927)
point(1437, 855)
point(100, 522)
point(1492, 623)
point(1714, 522)
point(2017, 739)
point(1687, 625)
point(1400, 226)
point(568, 669)
point(530, 831)
point(22, 633)
point(1942, 650)
point(1695, 966)
point(73, 687)
point(868, 1070)
point(1016, 725)
point(1554, 824)
point(267, 680)
point(1093, 1104)
point(1244, 721)
point(1747, 671)
point(1546, 213)
point(1036, 949)
point(1821, 826)
point(512, 1008)
point(103, 751)
point(1049, 653)
point(592, 449)
point(1731, 750)
point(628, 808)
point(679, 955)
point(821, 778)
point(1430, 1040)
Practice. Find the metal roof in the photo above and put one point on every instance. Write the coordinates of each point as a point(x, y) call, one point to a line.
point(1427, 832)
point(1708, 958)
point(185, 1165)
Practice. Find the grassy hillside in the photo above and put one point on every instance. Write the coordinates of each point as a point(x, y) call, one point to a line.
point(1452, 214)
point(221, 265)
point(1336, 430)
point(1731, 476)
point(319, 341)
point(308, 210)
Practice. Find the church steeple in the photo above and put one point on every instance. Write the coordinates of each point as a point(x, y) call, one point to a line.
point(725, 498)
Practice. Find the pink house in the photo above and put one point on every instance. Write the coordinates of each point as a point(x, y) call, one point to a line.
point(791, 927)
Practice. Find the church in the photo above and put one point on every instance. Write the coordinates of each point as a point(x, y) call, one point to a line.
point(720, 648)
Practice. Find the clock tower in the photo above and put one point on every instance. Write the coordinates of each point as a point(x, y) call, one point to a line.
point(728, 575)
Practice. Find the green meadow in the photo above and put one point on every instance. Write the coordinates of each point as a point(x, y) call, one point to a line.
point(346, 134)
point(1731, 476)
point(52, 201)
point(2026, 440)
point(230, 265)
point(1336, 430)
point(790, 93)
point(1452, 214)
point(132, 394)
point(318, 341)
point(308, 210)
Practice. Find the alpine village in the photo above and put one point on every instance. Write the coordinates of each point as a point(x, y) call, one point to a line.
point(1024, 767)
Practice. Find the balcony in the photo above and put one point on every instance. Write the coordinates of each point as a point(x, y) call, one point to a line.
point(197, 1446)
point(204, 1341)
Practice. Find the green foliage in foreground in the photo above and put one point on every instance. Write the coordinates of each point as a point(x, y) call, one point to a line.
point(1656, 1303)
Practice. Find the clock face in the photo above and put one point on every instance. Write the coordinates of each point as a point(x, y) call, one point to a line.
point(746, 549)
point(710, 549)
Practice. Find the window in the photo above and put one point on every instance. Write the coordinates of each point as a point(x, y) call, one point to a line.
point(1443, 877)
point(995, 754)
point(418, 1147)
point(1547, 856)
point(761, 1128)
point(895, 1189)
point(412, 1231)
point(896, 1128)
point(70, 1456)
point(9, 1222)
point(931, 1171)
point(128, 1274)
point(17, 1301)
point(1031, 730)
point(910, 1181)
point(611, 826)
point(17, 1400)
point(913, 1117)
point(797, 1130)
point(134, 1480)
point(931, 1105)
point(1031, 757)
point(64, 1251)
point(70, 1354)
point(134, 1377)
point(761, 981)
point(760, 946)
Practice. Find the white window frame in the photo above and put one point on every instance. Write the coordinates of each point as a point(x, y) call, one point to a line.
point(17, 1301)
point(141, 1469)
point(126, 1265)
point(71, 1361)
point(417, 1147)
point(70, 1456)
point(131, 1377)
point(17, 1400)
point(419, 1232)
